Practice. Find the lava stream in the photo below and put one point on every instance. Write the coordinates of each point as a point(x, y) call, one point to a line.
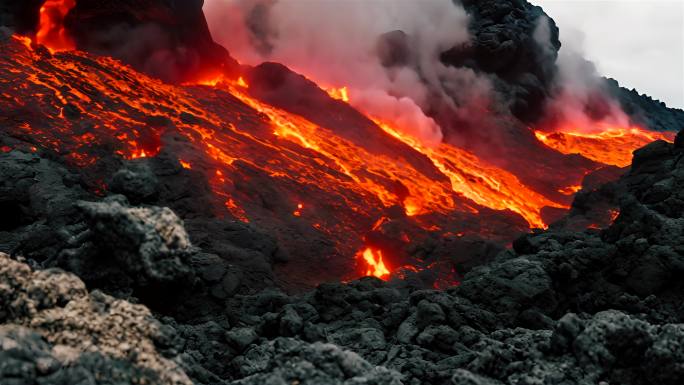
point(374, 263)
point(51, 30)
point(612, 145)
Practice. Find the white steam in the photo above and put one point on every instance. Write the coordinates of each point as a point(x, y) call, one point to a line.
point(580, 103)
point(335, 43)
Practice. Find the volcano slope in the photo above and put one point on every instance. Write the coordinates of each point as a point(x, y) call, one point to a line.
point(115, 288)
point(102, 282)
point(560, 307)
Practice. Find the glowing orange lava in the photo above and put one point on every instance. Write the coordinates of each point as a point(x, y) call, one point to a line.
point(242, 83)
point(480, 182)
point(298, 212)
point(570, 190)
point(341, 93)
point(51, 30)
point(613, 215)
point(80, 102)
point(374, 262)
point(611, 145)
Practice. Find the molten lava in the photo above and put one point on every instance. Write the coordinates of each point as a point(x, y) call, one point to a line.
point(51, 31)
point(298, 211)
point(374, 262)
point(570, 190)
point(258, 160)
point(338, 93)
point(610, 145)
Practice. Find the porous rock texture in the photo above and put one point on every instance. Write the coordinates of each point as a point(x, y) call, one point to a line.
point(55, 332)
point(560, 307)
point(143, 283)
point(503, 46)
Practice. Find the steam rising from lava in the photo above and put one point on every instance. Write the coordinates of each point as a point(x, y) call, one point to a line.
point(580, 102)
point(385, 53)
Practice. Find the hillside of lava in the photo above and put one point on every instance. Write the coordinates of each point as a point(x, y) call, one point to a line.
point(343, 194)
point(170, 214)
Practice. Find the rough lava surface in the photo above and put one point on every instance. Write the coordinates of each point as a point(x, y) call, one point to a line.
point(560, 307)
point(141, 285)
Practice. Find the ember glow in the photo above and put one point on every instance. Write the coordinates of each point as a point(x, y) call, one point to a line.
point(570, 190)
point(375, 265)
point(84, 105)
point(338, 93)
point(298, 211)
point(51, 31)
point(610, 145)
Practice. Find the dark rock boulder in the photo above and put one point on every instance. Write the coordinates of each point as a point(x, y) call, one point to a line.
point(504, 46)
point(54, 332)
point(150, 242)
point(166, 39)
point(287, 361)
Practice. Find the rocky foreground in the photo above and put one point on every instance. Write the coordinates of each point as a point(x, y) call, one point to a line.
point(560, 307)
point(142, 284)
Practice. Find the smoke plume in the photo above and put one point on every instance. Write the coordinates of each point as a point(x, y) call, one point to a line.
point(580, 101)
point(385, 52)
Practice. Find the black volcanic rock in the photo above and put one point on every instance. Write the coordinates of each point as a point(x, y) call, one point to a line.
point(560, 307)
point(169, 40)
point(285, 361)
point(55, 332)
point(503, 46)
point(645, 110)
point(150, 242)
point(22, 16)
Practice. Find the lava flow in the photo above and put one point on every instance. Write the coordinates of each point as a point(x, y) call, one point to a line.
point(611, 145)
point(372, 258)
point(51, 31)
point(259, 161)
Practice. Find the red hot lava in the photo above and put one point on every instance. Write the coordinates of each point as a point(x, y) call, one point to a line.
point(51, 31)
point(242, 143)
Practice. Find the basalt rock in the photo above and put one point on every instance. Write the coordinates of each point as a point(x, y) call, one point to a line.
point(150, 242)
point(503, 45)
point(54, 332)
point(560, 307)
point(287, 361)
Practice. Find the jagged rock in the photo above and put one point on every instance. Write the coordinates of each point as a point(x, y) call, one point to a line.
point(464, 377)
point(147, 241)
point(287, 361)
point(137, 182)
point(240, 338)
point(645, 110)
point(503, 45)
point(54, 332)
point(23, 293)
point(562, 307)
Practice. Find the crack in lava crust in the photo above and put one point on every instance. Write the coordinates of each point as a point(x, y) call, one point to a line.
point(319, 193)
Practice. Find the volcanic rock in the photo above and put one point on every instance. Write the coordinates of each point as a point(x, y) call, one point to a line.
point(287, 361)
point(503, 46)
point(563, 306)
point(55, 332)
point(137, 182)
point(150, 242)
